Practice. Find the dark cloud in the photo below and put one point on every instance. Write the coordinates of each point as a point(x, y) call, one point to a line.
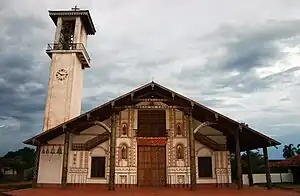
point(245, 48)
point(22, 85)
point(250, 47)
point(213, 63)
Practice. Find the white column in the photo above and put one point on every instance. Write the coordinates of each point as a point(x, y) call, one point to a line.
point(77, 30)
point(58, 29)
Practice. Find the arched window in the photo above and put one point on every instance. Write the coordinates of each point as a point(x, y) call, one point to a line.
point(178, 129)
point(179, 151)
point(124, 129)
point(124, 152)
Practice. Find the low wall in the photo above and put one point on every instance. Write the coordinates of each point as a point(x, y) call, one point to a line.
point(275, 178)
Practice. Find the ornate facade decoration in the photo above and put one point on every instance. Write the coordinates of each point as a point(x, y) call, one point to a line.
point(126, 171)
point(179, 129)
point(124, 129)
point(180, 151)
point(124, 151)
point(52, 149)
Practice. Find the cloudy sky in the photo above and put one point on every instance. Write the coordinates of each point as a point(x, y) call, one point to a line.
point(241, 59)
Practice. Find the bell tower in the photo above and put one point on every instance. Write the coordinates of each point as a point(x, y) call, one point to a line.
point(68, 60)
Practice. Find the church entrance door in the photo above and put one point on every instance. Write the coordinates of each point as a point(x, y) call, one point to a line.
point(151, 165)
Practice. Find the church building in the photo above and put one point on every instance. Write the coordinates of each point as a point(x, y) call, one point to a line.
point(151, 136)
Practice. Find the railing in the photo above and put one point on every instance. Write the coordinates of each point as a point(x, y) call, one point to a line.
point(68, 46)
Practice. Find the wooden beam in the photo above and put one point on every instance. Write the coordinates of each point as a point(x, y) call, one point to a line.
point(238, 159)
point(36, 168)
point(267, 167)
point(192, 153)
point(112, 161)
point(250, 173)
point(65, 160)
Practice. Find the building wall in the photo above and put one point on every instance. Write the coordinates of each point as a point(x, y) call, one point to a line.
point(64, 97)
point(50, 165)
point(275, 178)
point(177, 171)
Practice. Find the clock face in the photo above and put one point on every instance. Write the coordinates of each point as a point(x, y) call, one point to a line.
point(61, 74)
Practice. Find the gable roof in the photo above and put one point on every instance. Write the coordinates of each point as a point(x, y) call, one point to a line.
point(249, 138)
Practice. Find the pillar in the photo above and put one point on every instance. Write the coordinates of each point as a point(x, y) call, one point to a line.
point(36, 168)
point(112, 159)
point(250, 173)
point(238, 159)
point(192, 153)
point(65, 160)
point(58, 29)
point(267, 167)
point(77, 30)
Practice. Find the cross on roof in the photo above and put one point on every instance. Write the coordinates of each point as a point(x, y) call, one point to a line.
point(75, 8)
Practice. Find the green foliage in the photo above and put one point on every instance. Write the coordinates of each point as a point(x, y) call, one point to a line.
point(28, 174)
point(257, 163)
point(19, 160)
point(290, 150)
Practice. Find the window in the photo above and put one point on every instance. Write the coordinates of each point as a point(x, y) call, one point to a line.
point(98, 167)
point(204, 167)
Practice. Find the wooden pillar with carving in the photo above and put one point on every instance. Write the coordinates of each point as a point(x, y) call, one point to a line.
point(36, 168)
point(192, 152)
point(65, 160)
point(238, 159)
point(250, 173)
point(112, 159)
point(267, 167)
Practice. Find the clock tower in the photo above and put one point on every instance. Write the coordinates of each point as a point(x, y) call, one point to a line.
point(68, 60)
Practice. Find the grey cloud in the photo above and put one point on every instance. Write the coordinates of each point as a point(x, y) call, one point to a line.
point(131, 46)
point(22, 85)
point(245, 48)
point(249, 47)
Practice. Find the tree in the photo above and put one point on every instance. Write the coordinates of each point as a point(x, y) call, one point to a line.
point(298, 149)
point(289, 151)
point(19, 160)
point(25, 156)
point(257, 163)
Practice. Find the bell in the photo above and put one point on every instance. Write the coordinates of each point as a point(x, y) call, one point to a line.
point(59, 151)
point(52, 150)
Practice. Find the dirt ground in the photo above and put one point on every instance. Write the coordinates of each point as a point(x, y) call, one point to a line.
point(253, 191)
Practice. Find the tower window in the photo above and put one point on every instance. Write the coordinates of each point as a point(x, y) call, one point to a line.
point(98, 167)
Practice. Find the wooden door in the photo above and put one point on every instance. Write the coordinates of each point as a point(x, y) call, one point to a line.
point(151, 165)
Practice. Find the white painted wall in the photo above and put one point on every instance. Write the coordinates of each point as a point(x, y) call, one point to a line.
point(275, 178)
point(99, 151)
point(50, 168)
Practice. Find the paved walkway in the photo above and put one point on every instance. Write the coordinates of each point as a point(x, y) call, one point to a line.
point(254, 191)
